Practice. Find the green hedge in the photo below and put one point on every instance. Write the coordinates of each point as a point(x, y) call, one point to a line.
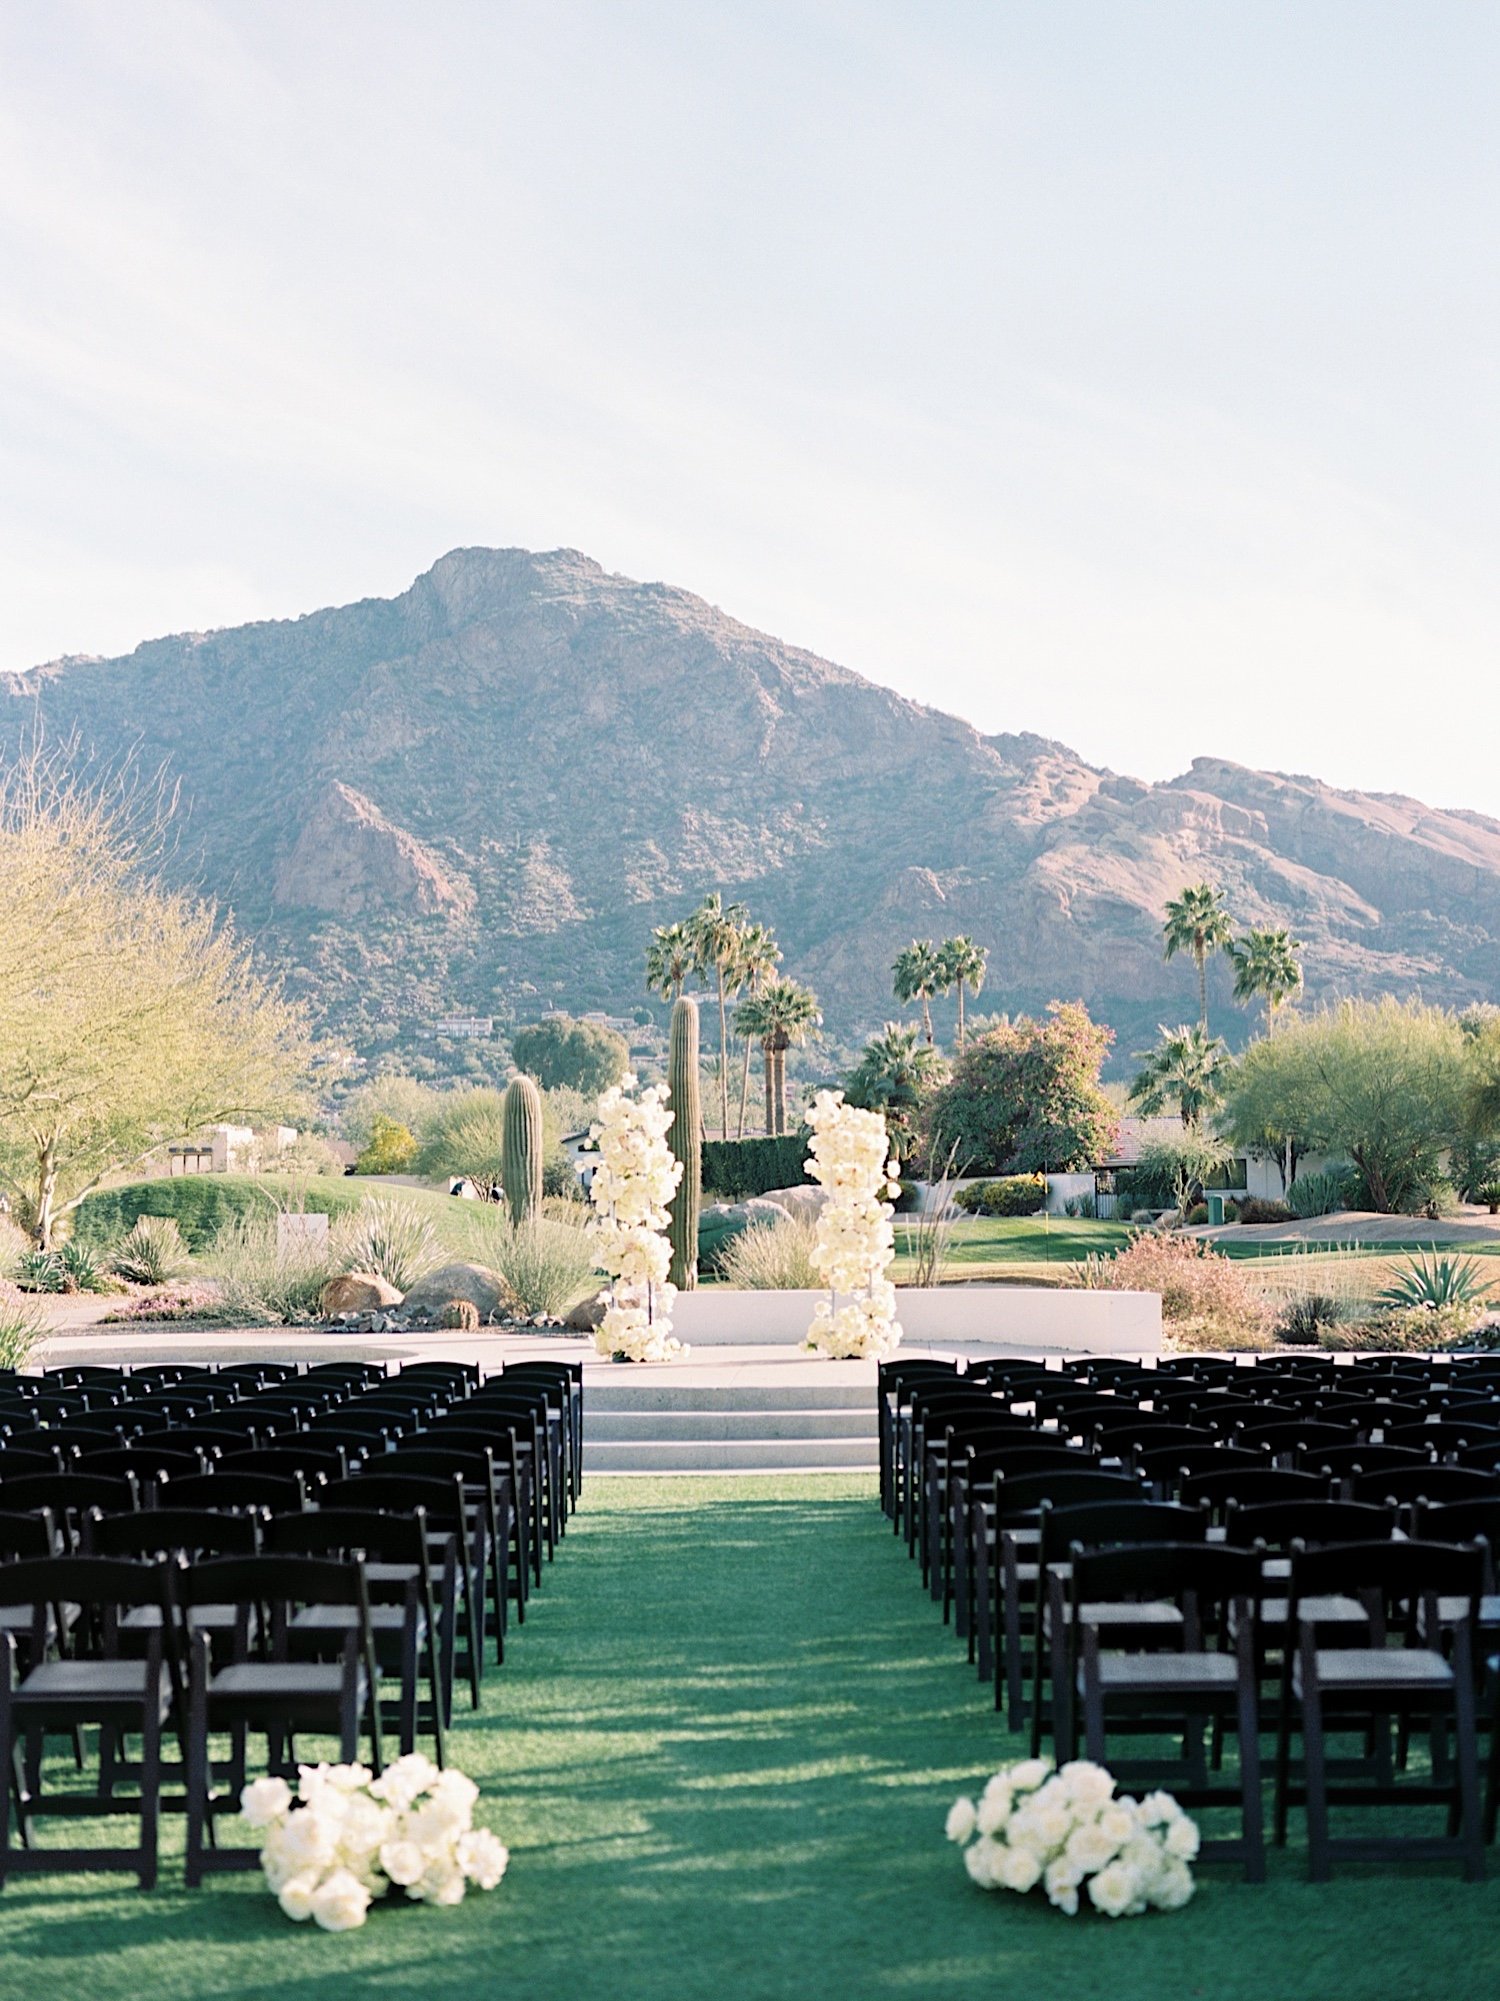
point(734, 1169)
point(200, 1204)
point(1008, 1195)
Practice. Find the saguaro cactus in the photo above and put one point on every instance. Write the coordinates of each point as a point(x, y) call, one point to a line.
point(521, 1148)
point(686, 1141)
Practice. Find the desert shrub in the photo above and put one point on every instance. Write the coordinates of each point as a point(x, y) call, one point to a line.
point(1142, 1216)
point(391, 1149)
point(771, 1257)
point(1435, 1280)
point(151, 1252)
point(1207, 1301)
point(81, 1270)
point(459, 1313)
point(735, 1169)
point(190, 1299)
point(268, 1280)
point(40, 1271)
point(388, 1237)
point(1196, 1215)
point(548, 1265)
point(200, 1204)
point(1008, 1195)
point(21, 1327)
point(1254, 1210)
point(559, 1176)
point(1231, 1212)
point(1322, 1194)
point(1024, 1096)
point(14, 1244)
point(1409, 1330)
point(1303, 1318)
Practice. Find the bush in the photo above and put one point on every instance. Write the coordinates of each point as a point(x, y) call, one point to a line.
point(268, 1281)
point(151, 1253)
point(771, 1257)
point(1254, 1210)
point(193, 1299)
point(735, 1169)
point(388, 1238)
point(81, 1270)
point(1008, 1195)
point(14, 1244)
point(1196, 1215)
point(391, 1150)
point(1488, 1192)
point(1435, 1280)
point(40, 1271)
point(1411, 1330)
point(1322, 1194)
point(548, 1265)
point(1207, 1301)
point(1303, 1320)
point(200, 1204)
point(21, 1327)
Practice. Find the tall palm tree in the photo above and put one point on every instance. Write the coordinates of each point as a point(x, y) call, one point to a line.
point(917, 974)
point(670, 960)
point(1266, 965)
point(1197, 922)
point(963, 963)
point(759, 957)
point(782, 1015)
point(1182, 1071)
point(715, 929)
point(895, 1071)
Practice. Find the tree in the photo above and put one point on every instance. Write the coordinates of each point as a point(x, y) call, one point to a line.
point(390, 1149)
point(1181, 1072)
point(403, 1100)
point(671, 960)
point(896, 1074)
point(466, 1136)
point(717, 929)
point(562, 1053)
point(781, 1016)
point(1198, 923)
point(1180, 1164)
point(1025, 1097)
point(759, 956)
point(131, 1016)
point(1385, 1083)
point(1266, 967)
point(917, 974)
point(963, 966)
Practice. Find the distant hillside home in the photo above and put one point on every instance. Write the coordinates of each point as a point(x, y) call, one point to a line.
point(231, 1150)
point(1254, 1174)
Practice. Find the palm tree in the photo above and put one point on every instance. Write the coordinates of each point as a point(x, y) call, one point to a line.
point(1266, 963)
point(896, 1070)
point(917, 974)
point(1197, 922)
point(1182, 1071)
point(759, 957)
point(715, 929)
point(963, 963)
point(782, 1015)
point(670, 960)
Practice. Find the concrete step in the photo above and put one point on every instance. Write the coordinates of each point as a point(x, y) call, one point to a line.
point(682, 1426)
point(654, 1394)
point(750, 1455)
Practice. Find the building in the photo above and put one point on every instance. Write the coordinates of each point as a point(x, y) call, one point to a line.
point(464, 1027)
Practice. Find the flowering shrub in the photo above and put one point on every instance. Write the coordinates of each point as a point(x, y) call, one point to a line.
point(853, 1243)
point(189, 1299)
point(346, 1837)
point(1207, 1300)
point(633, 1183)
point(1068, 1832)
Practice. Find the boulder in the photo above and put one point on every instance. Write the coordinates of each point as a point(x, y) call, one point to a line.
point(586, 1316)
point(803, 1202)
point(487, 1291)
point(356, 1292)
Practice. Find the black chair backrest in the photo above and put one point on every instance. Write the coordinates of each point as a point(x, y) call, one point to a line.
point(271, 1580)
point(1100, 1523)
point(1015, 1459)
point(1278, 1524)
point(1207, 1572)
point(441, 1495)
point(1400, 1571)
point(224, 1490)
point(66, 1493)
point(1459, 1521)
point(162, 1532)
point(25, 1536)
point(1425, 1483)
point(1253, 1486)
point(381, 1536)
point(1363, 1458)
point(1025, 1493)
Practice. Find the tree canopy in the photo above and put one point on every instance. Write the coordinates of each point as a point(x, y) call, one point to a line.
point(896, 1073)
point(578, 1055)
point(1025, 1097)
point(1180, 1074)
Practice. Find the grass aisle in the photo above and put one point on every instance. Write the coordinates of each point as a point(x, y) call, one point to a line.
point(722, 1753)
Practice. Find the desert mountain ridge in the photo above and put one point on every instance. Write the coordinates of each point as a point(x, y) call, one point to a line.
point(480, 796)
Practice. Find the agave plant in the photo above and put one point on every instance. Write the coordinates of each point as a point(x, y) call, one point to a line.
point(391, 1239)
point(1436, 1279)
point(80, 1269)
point(151, 1252)
point(40, 1271)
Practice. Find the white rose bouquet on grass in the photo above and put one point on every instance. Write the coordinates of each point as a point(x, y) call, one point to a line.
point(345, 1837)
point(631, 1189)
point(853, 1241)
point(1068, 1831)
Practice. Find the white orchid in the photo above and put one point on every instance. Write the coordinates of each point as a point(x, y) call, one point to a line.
point(853, 1239)
point(631, 1191)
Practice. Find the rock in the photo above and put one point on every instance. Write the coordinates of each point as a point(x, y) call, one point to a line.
point(586, 1316)
point(804, 1203)
point(356, 1292)
point(486, 1290)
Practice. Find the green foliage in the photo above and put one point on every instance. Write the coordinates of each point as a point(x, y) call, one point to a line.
point(40, 1271)
point(1436, 1279)
point(1009, 1195)
point(1488, 1192)
point(521, 1148)
point(1266, 967)
point(1304, 1319)
point(1197, 923)
point(391, 1149)
point(200, 1204)
point(389, 1238)
point(735, 1169)
point(1025, 1097)
point(152, 1252)
point(1254, 1209)
point(466, 1136)
point(771, 1257)
point(396, 1098)
point(896, 1074)
point(781, 1016)
point(1181, 1074)
point(1322, 1194)
point(268, 1280)
point(577, 1055)
point(685, 1138)
point(548, 1264)
point(1385, 1083)
point(1181, 1164)
point(917, 973)
point(21, 1327)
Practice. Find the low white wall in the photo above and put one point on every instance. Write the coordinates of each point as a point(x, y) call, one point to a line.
point(1025, 1318)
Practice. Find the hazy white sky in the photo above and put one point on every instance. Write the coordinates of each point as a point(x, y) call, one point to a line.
point(1125, 371)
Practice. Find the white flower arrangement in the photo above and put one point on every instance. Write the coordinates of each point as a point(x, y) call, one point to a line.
point(345, 1837)
point(853, 1242)
point(1068, 1831)
point(631, 1188)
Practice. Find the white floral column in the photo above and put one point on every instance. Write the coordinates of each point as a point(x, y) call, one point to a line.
point(854, 1242)
point(634, 1182)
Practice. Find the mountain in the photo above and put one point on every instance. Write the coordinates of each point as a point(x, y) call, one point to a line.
point(481, 795)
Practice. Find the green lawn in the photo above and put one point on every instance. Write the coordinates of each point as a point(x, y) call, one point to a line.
point(721, 1754)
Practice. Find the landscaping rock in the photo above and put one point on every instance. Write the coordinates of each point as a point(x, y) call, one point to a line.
point(586, 1316)
point(804, 1203)
point(356, 1292)
point(486, 1290)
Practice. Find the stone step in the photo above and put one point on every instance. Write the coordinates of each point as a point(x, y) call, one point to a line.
point(757, 1455)
point(663, 1396)
point(682, 1426)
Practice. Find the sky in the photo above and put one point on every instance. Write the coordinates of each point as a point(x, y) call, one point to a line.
point(1124, 372)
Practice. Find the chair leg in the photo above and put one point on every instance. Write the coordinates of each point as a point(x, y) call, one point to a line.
point(1466, 1754)
point(197, 1760)
point(12, 1776)
point(1252, 1812)
point(150, 1784)
point(1319, 1860)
